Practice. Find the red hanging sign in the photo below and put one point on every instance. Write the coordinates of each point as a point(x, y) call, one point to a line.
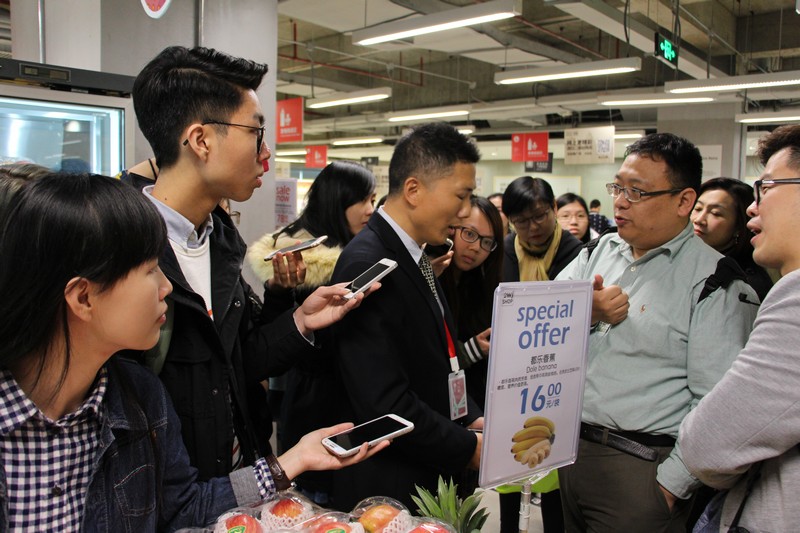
point(529, 146)
point(316, 156)
point(289, 121)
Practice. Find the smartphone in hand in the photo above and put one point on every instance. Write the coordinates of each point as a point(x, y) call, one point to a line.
point(299, 247)
point(348, 442)
point(370, 276)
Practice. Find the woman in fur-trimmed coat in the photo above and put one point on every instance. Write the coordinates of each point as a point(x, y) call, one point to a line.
point(340, 202)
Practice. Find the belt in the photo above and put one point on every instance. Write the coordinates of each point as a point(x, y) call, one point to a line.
point(636, 444)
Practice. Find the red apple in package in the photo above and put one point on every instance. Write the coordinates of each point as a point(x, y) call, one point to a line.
point(285, 511)
point(238, 522)
point(332, 522)
point(380, 514)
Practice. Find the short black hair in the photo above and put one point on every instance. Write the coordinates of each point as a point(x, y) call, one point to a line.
point(683, 159)
point(59, 227)
point(787, 136)
point(181, 86)
point(429, 152)
point(594, 204)
point(339, 185)
point(525, 193)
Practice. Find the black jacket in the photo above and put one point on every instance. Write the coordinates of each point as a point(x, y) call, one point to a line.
point(567, 251)
point(213, 366)
point(392, 358)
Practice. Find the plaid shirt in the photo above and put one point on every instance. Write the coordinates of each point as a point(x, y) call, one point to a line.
point(48, 464)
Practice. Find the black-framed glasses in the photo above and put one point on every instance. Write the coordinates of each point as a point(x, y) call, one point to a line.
point(632, 194)
point(760, 188)
point(260, 130)
point(470, 235)
point(524, 223)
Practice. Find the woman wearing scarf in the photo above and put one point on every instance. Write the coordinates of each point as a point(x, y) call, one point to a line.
point(538, 250)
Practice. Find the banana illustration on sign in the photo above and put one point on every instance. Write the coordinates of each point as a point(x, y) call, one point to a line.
point(533, 443)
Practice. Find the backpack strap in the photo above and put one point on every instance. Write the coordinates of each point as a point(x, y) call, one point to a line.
point(727, 271)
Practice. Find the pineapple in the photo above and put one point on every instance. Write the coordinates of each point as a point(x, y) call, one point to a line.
point(464, 515)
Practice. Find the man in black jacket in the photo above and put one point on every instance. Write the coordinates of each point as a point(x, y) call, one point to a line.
point(199, 111)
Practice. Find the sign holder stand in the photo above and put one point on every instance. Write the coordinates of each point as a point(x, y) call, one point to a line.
point(525, 500)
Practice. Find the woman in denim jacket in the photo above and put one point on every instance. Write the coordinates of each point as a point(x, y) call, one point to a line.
point(90, 441)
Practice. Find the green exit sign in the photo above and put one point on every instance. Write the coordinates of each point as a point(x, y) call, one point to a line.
point(666, 51)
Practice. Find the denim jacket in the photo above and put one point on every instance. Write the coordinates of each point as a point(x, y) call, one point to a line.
point(141, 478)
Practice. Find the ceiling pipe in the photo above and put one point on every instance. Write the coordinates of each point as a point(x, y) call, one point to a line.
point(555, 35)
point(349, 70)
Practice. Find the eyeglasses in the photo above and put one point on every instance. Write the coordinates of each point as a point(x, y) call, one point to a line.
point(761, 190)
point(566, 217)
point(260, 130)
point(468, 235)
point(524, 223)
point(632, 194)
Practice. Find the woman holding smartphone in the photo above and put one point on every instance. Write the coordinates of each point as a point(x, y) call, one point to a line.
point(89, 440)
point(339, 204)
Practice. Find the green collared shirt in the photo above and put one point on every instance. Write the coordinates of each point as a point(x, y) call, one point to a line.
point(647, 372)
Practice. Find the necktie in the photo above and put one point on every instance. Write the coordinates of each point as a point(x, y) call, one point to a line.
point(427, 271)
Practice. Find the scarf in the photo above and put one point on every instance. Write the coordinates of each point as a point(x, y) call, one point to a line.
point(535, 261)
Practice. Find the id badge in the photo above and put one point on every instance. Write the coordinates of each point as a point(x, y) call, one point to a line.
point(457, 385)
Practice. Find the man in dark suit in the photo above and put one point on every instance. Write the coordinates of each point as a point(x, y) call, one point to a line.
point(393, 352)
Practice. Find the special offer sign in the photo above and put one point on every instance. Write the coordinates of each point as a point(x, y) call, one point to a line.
point(537, 369)
point(529, 146)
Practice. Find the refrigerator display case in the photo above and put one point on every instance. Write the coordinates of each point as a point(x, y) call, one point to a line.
point(74, 129)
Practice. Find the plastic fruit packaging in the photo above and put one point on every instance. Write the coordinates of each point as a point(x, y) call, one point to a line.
point(286, 510)
point(238, 521)
point(332, 522)
point(383, 515)
point(431, 525)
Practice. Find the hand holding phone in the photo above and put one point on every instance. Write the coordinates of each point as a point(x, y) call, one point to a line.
point(299, 247)
point(370, 276)
point(348, 442)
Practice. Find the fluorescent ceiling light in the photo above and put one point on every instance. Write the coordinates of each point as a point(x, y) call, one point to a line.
point(650, 99)
point(777, 117)
point(286, 153)
point(577, 70)
point(431, 113)
point(357, 140)
point(443, 20)
point(628, 135)
point(355, 97)
point(466, 130)
point(734, 83)
point(289, 160)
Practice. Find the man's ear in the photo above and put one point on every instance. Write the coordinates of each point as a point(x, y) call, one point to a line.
point(412, 190)
point(78, 294)
point(687, 198)
point(196, 140)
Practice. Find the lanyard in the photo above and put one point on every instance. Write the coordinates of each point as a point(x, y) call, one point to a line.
point(451, 348)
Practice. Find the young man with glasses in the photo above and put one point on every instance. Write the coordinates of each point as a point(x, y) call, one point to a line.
point(745, 432)
point(656, 345)
point(199, 110)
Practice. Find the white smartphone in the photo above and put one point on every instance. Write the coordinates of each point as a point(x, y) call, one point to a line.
point(348, 442)
point(299, 247)
point(370, 276)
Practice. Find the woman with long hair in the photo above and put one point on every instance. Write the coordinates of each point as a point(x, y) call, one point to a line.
point(339, 203)
point(720, 219)
point(89, 440)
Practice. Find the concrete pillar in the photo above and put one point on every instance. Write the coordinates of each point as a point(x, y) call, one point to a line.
point(709, 125)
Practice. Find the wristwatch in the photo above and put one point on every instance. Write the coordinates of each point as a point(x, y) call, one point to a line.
point(278, 475)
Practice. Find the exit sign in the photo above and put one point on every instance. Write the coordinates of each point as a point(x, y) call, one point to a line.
point(666, 51)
